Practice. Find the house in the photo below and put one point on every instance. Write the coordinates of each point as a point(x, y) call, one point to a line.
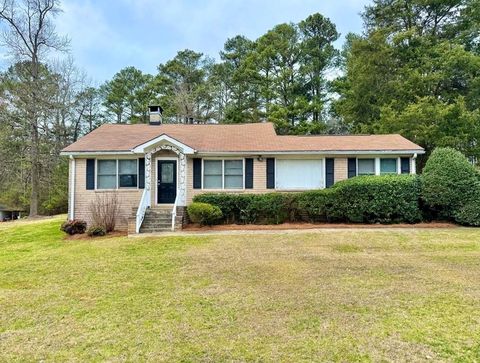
point(156, 169)
point(8, 213)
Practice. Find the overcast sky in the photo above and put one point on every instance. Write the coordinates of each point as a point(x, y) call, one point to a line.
point(108, 35)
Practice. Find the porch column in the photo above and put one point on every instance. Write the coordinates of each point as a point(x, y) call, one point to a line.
point(182, 179)
point(148, 174)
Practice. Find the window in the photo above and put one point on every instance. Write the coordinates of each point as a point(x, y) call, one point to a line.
point(113, 174)
point(388, 166)
point(127, 173)
point(366, 167)
point(212, 174)
point(107, 174)
point(233, 174)
point(222, 174)
point(299, 174)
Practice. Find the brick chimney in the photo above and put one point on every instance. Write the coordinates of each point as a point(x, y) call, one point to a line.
point(155, 113)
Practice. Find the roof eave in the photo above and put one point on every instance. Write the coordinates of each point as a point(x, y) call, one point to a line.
point(317, 152)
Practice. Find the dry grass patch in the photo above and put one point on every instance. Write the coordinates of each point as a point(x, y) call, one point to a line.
point(403, 295)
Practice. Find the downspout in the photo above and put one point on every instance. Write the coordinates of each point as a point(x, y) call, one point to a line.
point(414, 164)
point(72, 190)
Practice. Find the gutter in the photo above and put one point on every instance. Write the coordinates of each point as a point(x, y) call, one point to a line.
point(261, 152)
point(72, 191)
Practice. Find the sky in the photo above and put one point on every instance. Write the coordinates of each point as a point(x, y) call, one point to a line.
point(108, 35)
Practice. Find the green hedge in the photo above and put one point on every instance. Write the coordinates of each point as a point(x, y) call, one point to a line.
point(204, 213)
point(376, 199)
point(315, 206)
point(366, 199)
point(270, 208)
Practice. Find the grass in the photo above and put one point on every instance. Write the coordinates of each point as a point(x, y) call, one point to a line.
point(402, 295)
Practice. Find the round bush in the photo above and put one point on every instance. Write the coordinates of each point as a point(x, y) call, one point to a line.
point(74, 226)
point(96, 231)
point(204, 213)
point(448, 181)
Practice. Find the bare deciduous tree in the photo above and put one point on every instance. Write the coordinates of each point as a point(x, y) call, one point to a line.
point(29, 34)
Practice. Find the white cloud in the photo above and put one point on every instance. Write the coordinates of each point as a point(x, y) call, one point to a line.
point(109, 35)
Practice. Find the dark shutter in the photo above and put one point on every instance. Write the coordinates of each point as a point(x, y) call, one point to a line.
point(197, 173)
point(249, 173)
point(270, 173)
point(141, 173)
point(405, 165)
point(352, 167)
point(329, 172)
point(90, 174)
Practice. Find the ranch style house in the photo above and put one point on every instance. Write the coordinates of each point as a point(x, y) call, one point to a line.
point(156, 169)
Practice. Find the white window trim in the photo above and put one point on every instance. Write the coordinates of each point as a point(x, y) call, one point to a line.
point(117, 176)
point(397, 165)
point(223, 174)
point(155, 182)
point(377, 164)
point(376, 167)
point(324, 179)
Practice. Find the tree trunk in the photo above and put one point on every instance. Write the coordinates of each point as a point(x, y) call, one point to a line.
point(35, 139)
point(34, 172)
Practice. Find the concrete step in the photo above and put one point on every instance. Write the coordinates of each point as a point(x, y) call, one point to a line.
point(159, 229)
point(162, 220)
point(169, 221)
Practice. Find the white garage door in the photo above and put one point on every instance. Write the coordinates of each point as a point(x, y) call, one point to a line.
point(299, 174)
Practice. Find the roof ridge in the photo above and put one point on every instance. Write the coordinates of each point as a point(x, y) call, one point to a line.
point(340, 135)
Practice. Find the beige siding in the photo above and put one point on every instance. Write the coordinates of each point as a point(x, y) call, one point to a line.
point(259, 181)
point(340, 169)
point(128, 198)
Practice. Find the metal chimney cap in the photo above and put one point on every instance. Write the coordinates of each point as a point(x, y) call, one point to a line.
point(155, 109)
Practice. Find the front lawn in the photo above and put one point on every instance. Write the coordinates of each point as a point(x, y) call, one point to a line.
point(393, 295)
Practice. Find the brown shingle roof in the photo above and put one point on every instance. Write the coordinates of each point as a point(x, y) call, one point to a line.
point(255, 137)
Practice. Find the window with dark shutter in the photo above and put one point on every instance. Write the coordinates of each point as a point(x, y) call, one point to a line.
point(270, 173)
point(405, 165)
point(197, 173)
point(141, 173)
point(329, 172)
point(90, 182)
point(249, 173)
point(352, 167)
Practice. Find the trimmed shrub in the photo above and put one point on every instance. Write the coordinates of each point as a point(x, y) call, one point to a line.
point(74, 226)
point(233, 206)
point(314, 205)
point(449, 181)
point(96, 231)
point(270, 208)
point(375, 199)
point(468, 214)
point(204, 213)
point(366, 199)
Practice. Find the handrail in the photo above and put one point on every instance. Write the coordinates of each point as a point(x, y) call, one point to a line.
point(142, 208)
point(174, 212)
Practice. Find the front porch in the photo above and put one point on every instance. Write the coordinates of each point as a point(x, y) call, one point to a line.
point(163, 201)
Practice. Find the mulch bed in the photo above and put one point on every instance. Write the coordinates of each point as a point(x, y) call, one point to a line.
point(255, 227)
point(85, 236)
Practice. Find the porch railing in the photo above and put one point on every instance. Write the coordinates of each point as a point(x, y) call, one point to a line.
point(174, 212)
point(142, 208)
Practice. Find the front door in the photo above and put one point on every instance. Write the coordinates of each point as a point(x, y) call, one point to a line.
point(166, 181)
